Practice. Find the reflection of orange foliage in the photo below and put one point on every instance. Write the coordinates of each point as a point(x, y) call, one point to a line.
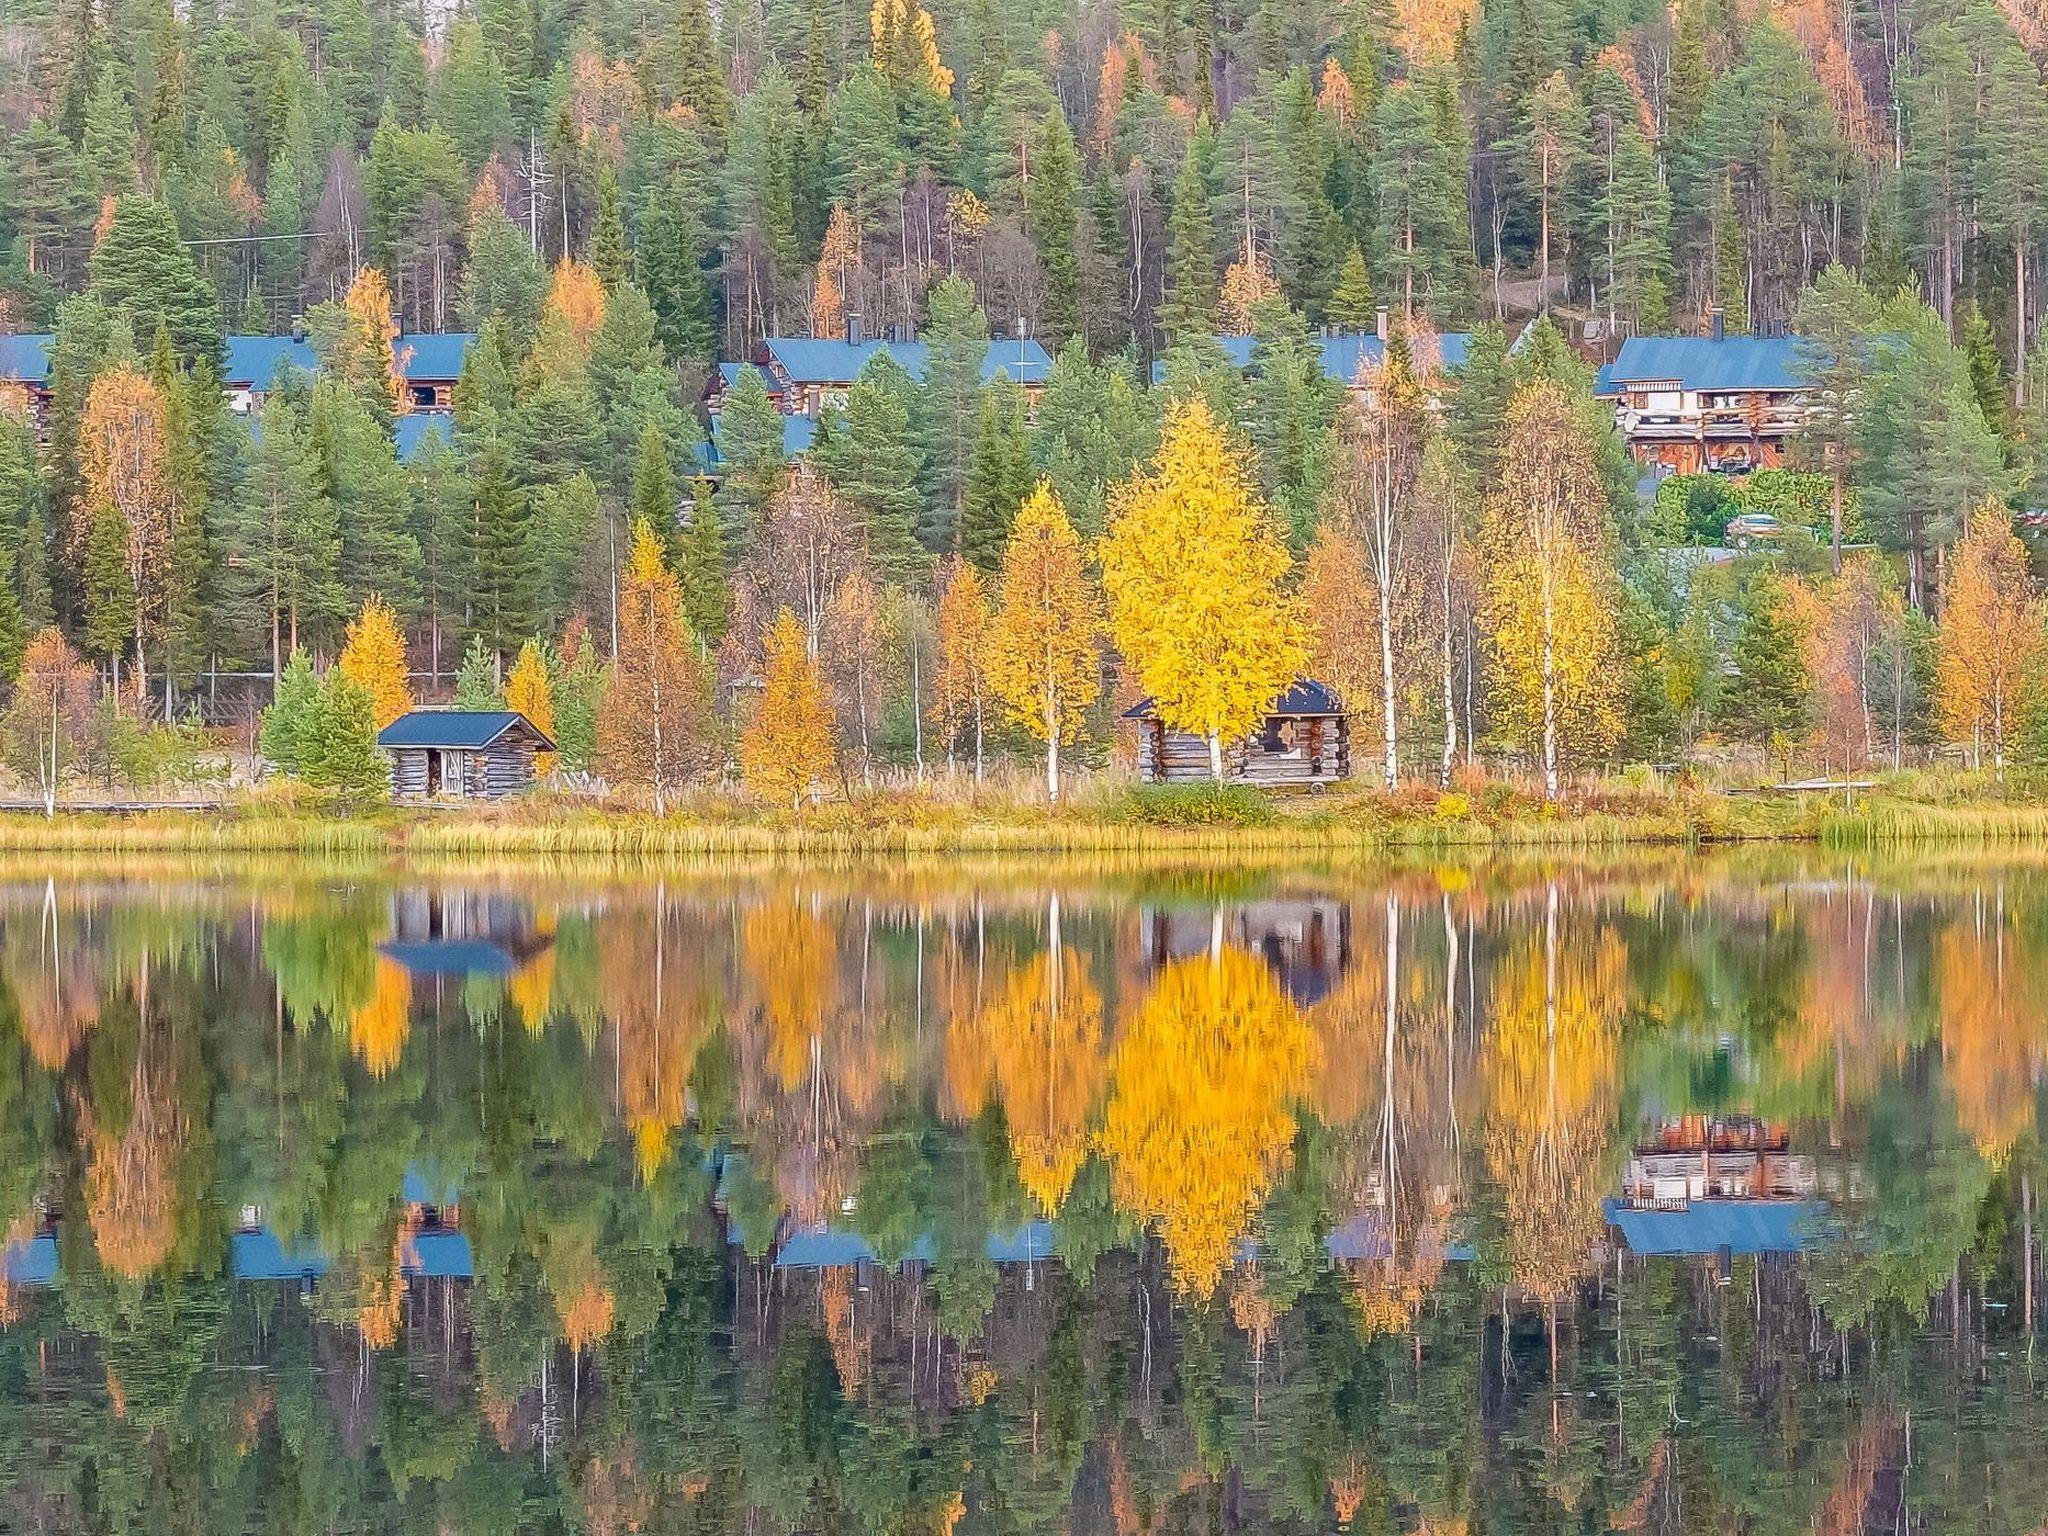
point(1042, 1039)
point(379, 1029)
point(131, 1191)
point(652, 993)
point(615, 1498)
point(380, 1295)
point(1550, 1073)
point(849, 1350)
point(1990, 1033)
point(1878, 1446)
point(790, 953)
point(531, 988)
point(588, 1317)
point(1199, 1122)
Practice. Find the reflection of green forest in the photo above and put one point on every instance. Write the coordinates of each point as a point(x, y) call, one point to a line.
point(655, 1068)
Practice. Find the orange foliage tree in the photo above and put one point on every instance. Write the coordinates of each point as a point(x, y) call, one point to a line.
point(960, 687)
point(651, 732)
point(1992, 638)
point(124, 456)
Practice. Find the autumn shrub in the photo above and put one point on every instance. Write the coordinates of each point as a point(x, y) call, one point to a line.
point(1192, 805)
point(1452, 806)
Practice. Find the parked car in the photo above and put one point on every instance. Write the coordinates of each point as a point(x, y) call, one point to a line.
point(1754, 528)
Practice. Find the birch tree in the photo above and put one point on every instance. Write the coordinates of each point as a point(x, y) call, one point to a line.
point(1042, 661)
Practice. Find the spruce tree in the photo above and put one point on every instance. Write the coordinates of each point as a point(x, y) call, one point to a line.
point(956, 348)
point(340, 750)
point(500, 611)
point(698, 556)
point(288, 720)
point(607, 251)
point(1189, 308)
point(140, 270)
point(654, 485)
point(870, 458)
point(1049, 207)
point(1351, 303)
point(750, 443)
point(670, 262)
point(476, 681)
point(1000, 475)
point(109, 594)
point(1987, 372)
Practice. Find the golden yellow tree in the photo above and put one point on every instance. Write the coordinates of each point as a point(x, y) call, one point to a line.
point(364, 356)
point(1200, 1119)
point(1551, 600)
point(569, 319)
point(960, 687)
point(906, 45)
point(651, 731)
point(840, 254)
point(529, 691)
point(1043, 667)
point(787, 749)
point(1992, 639)
point(1195, 572)
point(374, 659)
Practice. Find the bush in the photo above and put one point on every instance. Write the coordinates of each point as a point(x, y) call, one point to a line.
point(1452, 806)
point(1194, 805)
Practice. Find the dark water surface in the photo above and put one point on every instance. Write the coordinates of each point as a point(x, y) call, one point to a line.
point(1683, 1194)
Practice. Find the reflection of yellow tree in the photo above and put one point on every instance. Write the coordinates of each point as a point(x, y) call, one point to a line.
point(1990, 1034)
point(790, 953)
point(56, 981)
point(378, 1031)
point(650, 993)
point(1043, 1036)
point(131, 1186)
point(1199, 1121)
point(1550, 1078)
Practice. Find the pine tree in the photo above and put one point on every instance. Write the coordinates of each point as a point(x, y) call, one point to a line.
point(1189, 308)
point(288, 720)
point(606, 253)
point(869, 457)
point(956, 348)
point(699, 560)
point(1049, 210)
point(500, 611)
point(1351, 305)
point(109, 593)
point(1000, 475)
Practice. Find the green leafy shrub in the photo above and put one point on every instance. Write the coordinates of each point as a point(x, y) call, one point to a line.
point(1193, 805)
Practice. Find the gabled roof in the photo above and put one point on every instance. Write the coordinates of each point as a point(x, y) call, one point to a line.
point(257, 362)
point(254, 362)
point(1701, 363)
point(1305, 697)
point(433, 354)
point(1708, 1226)
point(414, 428)
point(458, 729)
point(822, 360)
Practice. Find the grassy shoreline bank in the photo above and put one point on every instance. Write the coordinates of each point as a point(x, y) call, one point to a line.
point(1354, 823)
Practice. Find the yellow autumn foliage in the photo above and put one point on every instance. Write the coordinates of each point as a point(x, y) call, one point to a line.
point(1200, 1119)
point(787, 750)
point(1195, 573)
point(373, 658)
point(378, 1031)
point(528, 690)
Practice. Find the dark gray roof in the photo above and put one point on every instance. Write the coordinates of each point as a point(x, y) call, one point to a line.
point(457, 729)
point(1306, 697)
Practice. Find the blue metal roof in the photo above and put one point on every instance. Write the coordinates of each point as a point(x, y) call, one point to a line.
point(1708, 1226)
point(415, 427)
point(433, 355)
point(456, 729)
point(25, 357)
point(816, 360)
point(1702, 363)
point(1341, 355)
point(416, 1190)
point(1305, 696)
point(798, 433)
point(256, 362)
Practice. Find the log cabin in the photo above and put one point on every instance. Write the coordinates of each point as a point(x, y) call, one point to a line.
point(464, 754)
point(1304, 740)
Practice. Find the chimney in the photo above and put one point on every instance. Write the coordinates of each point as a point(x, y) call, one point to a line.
point(298, 327)
point(853, 331)
point(1718, 324)
point(1022, 333)
point(1379, 323)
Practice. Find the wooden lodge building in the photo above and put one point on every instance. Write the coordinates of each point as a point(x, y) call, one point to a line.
point(1305, 740)
point(1715, 403)
point(464, 754)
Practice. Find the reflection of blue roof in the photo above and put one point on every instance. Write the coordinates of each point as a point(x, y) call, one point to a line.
point(259, 1255)
point(437, 1256)
point(415, 427)
point(458, 729)
point(1365, 1237)
point(32, 1261)
point(25, 357)
point(418, 1191)
point(1708, 1226)
point(1702, 363)
point(821, 360)
point(1341, 354)
point(832, 1247)
point(449, 957)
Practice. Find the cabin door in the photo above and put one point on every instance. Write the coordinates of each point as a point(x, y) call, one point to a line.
point(433, 773)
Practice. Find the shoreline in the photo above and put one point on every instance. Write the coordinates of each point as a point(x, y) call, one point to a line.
point(1365, 823)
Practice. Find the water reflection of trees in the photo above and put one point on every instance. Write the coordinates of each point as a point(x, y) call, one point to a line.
point(1113, 1234)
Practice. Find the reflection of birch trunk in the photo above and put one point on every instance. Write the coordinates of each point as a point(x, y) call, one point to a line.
point(1450, 1024)
point(1549, 1138)
point(1389, 1167)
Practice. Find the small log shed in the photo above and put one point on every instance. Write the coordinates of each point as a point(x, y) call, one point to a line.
point(1305, 740)
point(466, 754)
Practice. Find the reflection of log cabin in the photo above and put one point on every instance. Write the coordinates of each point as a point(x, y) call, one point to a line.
point(440, 932)
point(1694, 1157)
point(1306, 943)
point(1306, 739)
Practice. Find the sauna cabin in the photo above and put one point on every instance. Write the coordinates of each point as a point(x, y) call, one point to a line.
point(463, 754)
point(1305, 740)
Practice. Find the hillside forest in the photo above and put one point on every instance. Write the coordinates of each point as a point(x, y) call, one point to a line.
point(617, 197)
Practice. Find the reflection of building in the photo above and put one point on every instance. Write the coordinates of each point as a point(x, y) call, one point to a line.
point(1729, 1186)
point(1307, 942)
point(438, 932)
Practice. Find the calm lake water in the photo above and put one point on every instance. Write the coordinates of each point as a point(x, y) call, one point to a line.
point(1681, 1194)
